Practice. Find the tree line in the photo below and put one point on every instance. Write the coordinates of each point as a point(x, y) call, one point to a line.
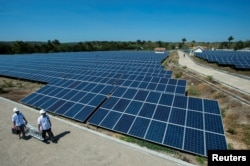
point(21, 47)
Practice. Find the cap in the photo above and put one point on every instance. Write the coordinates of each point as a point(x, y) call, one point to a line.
point(42, 111)
point(15, 109)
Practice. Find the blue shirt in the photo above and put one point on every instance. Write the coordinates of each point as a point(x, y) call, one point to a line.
point(18, 119)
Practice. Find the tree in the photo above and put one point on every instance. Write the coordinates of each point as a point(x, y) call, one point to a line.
point(193, 43)
point(183, 42)
point(230, 38)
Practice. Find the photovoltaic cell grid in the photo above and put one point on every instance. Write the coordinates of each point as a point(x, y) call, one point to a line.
point(80, 82)
point(186, 123)
point(239, 59)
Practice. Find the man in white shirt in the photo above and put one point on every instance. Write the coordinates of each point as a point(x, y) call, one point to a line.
point(44, 126)
point(19, 122)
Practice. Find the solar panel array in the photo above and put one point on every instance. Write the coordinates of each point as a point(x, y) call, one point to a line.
point(238, 59)
point(126, 92)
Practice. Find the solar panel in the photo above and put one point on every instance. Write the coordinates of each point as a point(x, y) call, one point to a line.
point(126, 92)
point(237, 59)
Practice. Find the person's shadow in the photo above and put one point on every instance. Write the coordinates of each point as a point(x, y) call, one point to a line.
point(59, 136)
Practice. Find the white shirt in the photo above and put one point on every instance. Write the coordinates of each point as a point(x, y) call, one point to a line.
point(44, 122)
point(18, 119)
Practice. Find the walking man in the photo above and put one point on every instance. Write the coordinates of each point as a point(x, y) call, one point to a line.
point(44, 126)
point(19, 122)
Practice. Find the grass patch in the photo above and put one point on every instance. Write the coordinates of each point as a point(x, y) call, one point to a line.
point(7, 84)
point(148, 145)
point(210, 78)
point(201, 160)
point(178, 74)
point(193, 92)
point(246, 140)
point(232, 131)
point(230, 146)
point(223, 113)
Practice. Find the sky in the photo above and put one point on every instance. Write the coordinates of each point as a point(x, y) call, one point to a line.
point(124, 20)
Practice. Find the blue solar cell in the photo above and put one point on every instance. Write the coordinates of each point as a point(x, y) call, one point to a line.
point(70, 94)
point(147, 110)
point(162, 113)
point(194, 141)
point(215, 142)
point(156, 131)
point(26, 99)
point(98, 116)
point(180, 90)
point(87, 98)
point(211, 106)
point(134, 107)
point(174, 136)
point(110, 102)
point(97, 88)
point(48, 103)
point(77, 97)
point(110, 120)
point(147, 79)
point(124, 123)
point(195, 119)
point(64, 108)
point(166, 99)
point(141, 95)
point(45, 89)
point(83, 114)
point(164, 80)
point(107, 90)
point(213, 123)
point(182, 83)
point(152, 86)
point(195, 104)
point(130, 93)
point(172, 82)
point(34, 99)
point(180, 101)
point(139, 127)
point(43, 100)
point(74, 84)
point(161, 87)
point(73, 110)
point(135, 84)
point(127, 83)
point(153, 97)
point(177, 116)
point(56, 105)
point(170, 88)
point(81, 85)
point(119, 91)
point(54, 91)
point(89, 87)
point(97, 100)
point(143, 85)
point(121, 105)
point(62, 93)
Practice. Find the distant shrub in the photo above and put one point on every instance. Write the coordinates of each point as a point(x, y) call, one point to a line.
point(230, 146)
point(178, 74)
point(210, 78)
point(232, 131)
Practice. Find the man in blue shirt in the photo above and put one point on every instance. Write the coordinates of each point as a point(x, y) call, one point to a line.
point(19, 122)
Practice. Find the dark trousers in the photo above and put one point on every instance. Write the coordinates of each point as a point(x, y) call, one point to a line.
point(22, 130)
point(51, 135)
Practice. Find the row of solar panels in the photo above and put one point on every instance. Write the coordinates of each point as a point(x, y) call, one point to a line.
point(129, 88)
point(240, 60)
